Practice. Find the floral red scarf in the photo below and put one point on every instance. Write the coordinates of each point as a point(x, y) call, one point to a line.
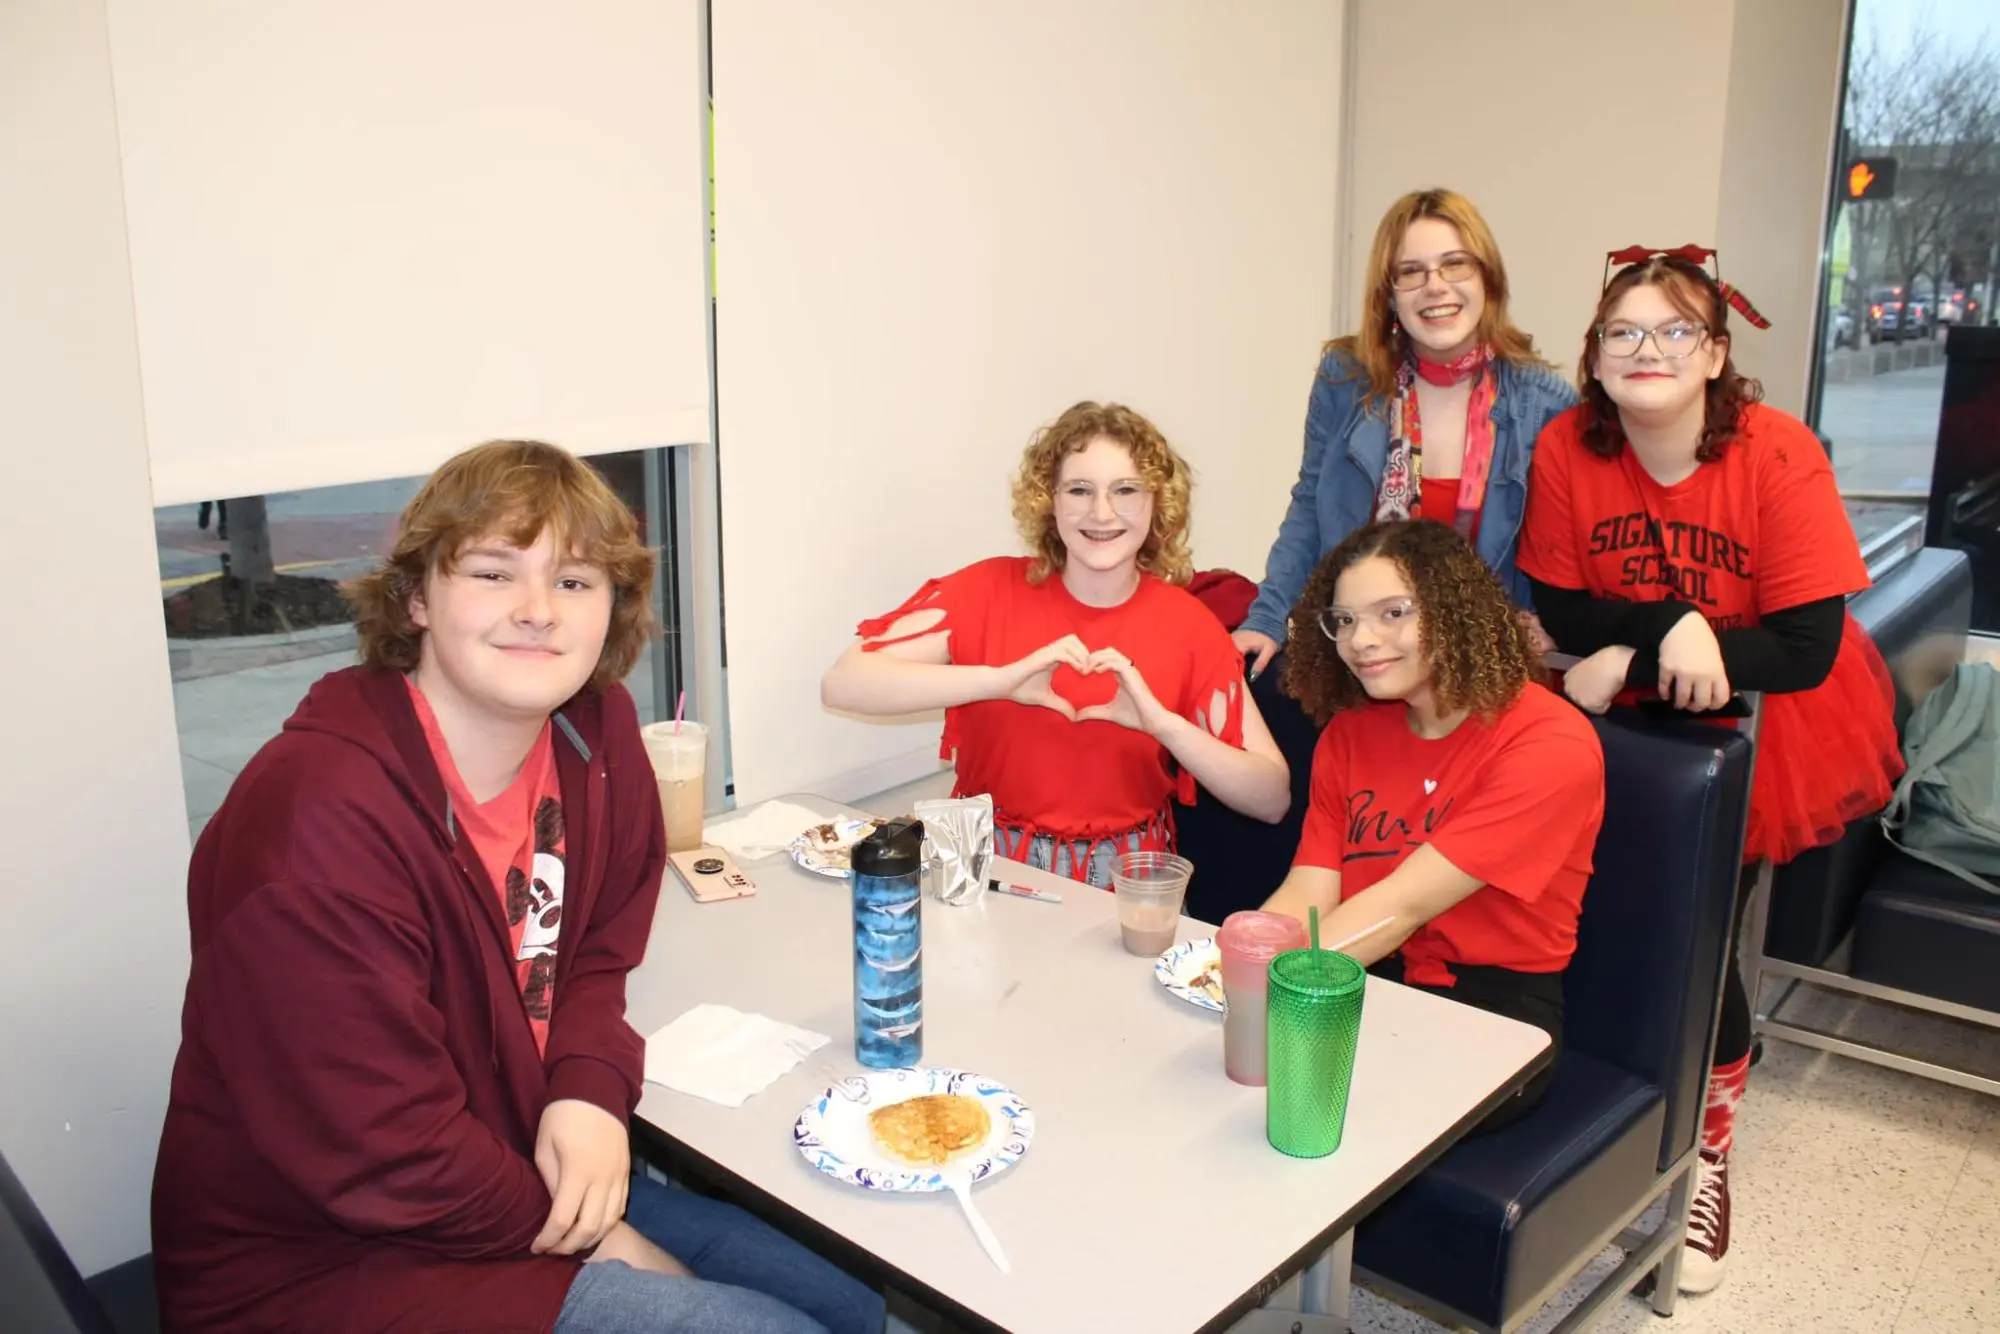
point(1402, 485)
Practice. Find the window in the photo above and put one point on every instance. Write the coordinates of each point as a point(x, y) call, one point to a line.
point(1913, 246)
point(239, 674)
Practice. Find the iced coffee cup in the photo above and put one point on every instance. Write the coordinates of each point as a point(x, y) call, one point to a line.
point(679, 752)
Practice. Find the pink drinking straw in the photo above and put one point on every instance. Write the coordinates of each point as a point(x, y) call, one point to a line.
point(680, 707)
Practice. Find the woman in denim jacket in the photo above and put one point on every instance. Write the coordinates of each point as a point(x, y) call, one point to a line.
point(1430, 411)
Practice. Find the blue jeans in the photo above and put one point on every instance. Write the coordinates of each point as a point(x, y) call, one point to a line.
point(1088, 860)
point(751, 1279)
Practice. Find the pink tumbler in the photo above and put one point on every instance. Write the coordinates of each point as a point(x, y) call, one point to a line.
point(1248, 942)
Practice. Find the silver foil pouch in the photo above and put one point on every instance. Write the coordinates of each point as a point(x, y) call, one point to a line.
point(958, 838)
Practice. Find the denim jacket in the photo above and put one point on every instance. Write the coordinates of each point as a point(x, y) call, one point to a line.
point(1347, 447)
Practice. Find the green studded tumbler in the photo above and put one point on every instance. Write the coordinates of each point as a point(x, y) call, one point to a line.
point(1313, 1024)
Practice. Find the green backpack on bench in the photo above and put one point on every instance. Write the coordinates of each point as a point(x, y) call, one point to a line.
point(1946, 811)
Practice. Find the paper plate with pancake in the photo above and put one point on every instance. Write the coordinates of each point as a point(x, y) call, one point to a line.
point(906, 1130)
point(1192, 970)
point(828, 849)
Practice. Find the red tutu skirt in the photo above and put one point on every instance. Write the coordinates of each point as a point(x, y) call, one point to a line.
point(1825, 756)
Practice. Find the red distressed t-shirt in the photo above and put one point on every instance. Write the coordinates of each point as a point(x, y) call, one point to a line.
point(1516, 801)
point(1046, 773)
point(518, 838)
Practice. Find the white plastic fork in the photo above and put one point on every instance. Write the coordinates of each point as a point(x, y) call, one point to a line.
point(960, 1185)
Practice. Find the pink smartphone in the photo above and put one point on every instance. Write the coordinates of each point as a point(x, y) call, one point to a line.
point(711, 875)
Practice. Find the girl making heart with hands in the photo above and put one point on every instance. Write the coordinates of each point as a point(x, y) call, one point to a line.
point(1083, 686)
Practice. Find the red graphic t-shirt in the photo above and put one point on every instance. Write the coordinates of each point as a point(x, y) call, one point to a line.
point(1046, 773)
point(1758, 530)
point(1516, 802)
point(518, 838)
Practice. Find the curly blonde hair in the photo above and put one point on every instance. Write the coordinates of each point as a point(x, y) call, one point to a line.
point(512, 489)
point(1165, 473)
point(1379, 348)
point(1479, 653)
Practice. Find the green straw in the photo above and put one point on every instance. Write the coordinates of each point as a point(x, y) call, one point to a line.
point(1312, 921)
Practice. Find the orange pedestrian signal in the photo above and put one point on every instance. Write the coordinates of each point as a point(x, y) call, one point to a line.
point(1871, 178)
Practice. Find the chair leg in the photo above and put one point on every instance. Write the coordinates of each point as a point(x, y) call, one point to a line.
point(1752, 959)
point(1667, 1281)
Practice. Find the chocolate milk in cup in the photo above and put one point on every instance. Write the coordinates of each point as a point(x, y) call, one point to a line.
point(679, 752)
point(1150, 887)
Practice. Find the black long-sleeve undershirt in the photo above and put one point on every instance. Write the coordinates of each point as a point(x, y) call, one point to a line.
point(1791, 650)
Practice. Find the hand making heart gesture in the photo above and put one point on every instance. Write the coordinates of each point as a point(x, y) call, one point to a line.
point(1029, 680)
point(1134, 705)
point(1130, 703)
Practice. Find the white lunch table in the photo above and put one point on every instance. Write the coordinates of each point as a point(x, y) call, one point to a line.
point(1149, 1199)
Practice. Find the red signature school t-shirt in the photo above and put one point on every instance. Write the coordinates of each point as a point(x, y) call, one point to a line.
point(1758, 530)
point(1515, 800)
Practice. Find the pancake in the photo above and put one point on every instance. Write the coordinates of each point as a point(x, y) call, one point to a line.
point(931, 1130)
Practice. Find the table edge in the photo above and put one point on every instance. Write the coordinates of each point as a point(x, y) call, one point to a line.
point(862, 1262)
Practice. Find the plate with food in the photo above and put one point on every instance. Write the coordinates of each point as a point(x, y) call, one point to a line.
point(1192, 970)
point(911, 1130)
point(828, 848)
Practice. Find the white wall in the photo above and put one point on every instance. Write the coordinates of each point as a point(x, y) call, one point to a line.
point(1784, 116)
point(90, 796)
point(1603, 126)
point(938, 226)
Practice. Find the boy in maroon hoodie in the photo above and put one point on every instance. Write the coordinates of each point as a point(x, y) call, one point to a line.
point(401, 1096)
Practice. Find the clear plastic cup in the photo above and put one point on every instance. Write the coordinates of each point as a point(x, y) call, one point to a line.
point(1150, 887)
point(1248, 941)
point(679, 752)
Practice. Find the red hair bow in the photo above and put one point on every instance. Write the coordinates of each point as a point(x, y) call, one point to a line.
point(1699, 257)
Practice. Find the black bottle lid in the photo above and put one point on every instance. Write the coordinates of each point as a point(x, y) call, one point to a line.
point(895, 849)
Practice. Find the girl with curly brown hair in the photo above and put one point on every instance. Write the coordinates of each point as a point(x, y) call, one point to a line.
point(1083, 686)
point(1689, 541)
point(1455, 801)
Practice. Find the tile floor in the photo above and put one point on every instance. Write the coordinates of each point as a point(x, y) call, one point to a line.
point(1865, 1199)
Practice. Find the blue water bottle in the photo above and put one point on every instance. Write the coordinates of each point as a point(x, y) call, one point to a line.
point(889, 946)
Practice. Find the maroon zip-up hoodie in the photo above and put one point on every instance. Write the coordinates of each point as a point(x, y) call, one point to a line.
point(350, 1135)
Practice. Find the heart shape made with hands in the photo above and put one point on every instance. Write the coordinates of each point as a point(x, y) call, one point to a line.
point(1081, 690)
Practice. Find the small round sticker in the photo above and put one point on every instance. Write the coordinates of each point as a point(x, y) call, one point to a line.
point(708, 866)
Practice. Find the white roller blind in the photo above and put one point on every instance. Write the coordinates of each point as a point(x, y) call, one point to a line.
point(940, 225)
point(366, 234)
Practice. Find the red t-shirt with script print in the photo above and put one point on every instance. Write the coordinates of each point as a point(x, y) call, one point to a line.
point(518, 838)
point(1759, 530)
point(1515, 800)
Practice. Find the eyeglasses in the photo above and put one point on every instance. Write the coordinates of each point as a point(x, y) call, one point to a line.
point(1384, 618)
point(1129, 499)
point(1675, 339)
point(1457, 267)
